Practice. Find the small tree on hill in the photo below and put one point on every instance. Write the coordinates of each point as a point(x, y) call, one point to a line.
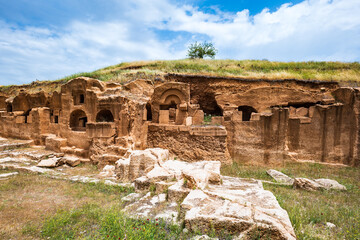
point(201, 50)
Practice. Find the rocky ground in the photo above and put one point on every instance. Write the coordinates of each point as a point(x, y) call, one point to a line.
point(193, 195)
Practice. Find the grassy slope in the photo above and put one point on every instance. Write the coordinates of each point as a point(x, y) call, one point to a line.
point(255, 69)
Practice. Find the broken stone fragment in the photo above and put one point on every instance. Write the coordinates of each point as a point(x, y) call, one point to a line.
point(50, 163)
point(139, 163)
point(317, 184)
point(306, 184)
point(177, 192)
point(71, 160)
point(108, 171)
point(162, 186)
point(159, 174)
point(142, 183)
point(330, 184)
point(280, 177)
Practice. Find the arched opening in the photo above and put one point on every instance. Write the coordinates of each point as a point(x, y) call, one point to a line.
point(246, 112)
point(148, 112)
point(104, 116)
point(9, 107)
point(78, 120)
point(171, 103)
point(208, 104)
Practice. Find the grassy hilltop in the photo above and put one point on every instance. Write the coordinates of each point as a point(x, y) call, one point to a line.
point(346, 73)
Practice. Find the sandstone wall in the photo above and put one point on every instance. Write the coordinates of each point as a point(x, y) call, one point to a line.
point(261, 140)
point(190, 143)
point(211, 92)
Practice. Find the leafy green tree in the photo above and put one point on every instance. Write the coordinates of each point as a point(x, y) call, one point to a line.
point(201, 50)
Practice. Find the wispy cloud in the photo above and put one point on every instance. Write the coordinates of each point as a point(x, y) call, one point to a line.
point(310, 30)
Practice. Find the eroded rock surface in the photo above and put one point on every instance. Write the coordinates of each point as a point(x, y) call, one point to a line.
point(208, 201)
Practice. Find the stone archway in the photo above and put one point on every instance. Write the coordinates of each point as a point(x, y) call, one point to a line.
point(104, 116)
point(78, 120)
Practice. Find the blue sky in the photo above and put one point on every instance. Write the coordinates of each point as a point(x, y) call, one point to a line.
point(47, 40)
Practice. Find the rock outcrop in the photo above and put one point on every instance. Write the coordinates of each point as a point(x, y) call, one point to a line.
point(208, 201)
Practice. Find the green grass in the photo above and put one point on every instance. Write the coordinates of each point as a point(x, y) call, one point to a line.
point(346, 73)
point(37, 207)
point(95, 222)
point(309, 211)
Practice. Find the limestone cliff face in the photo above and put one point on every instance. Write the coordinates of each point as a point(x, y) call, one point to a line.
point(195, 117)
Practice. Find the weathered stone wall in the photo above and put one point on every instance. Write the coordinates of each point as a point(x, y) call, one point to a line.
point(261, 94)
point(261, 140)
point(255, 120)
point(327, 136)
point(190, 143)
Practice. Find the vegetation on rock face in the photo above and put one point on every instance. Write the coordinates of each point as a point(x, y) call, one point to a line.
point(347, 74)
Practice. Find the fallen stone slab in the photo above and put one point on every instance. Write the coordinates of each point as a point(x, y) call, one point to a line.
point(50, 162)
point(306, 184)
point(16, 159)
point(280, 177)
point(6, 175)
point(17, 144)
point(32, 169)
point(330, 184)
point(71, 160)
point(231, 209)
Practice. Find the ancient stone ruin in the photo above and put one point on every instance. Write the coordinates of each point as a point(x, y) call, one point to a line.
point(169, 138)
point(258, 121)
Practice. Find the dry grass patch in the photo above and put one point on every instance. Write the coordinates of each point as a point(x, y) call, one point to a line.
point(27, 200)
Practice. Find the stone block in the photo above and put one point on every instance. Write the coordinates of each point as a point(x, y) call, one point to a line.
point(183, 107)
point(55, 143)
point(217, 120)
point(164, 117)
point(188, 121)
point(255, 116)
point(302, 112)
point(198, 117)
point(20, 119)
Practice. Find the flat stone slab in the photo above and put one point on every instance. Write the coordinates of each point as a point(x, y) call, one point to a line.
point(6, 175)
point(15, 144)
point(330, 184)
point(280, 177)
point(50, 163)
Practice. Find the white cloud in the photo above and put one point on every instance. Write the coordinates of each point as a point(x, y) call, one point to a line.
point(311, 30)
